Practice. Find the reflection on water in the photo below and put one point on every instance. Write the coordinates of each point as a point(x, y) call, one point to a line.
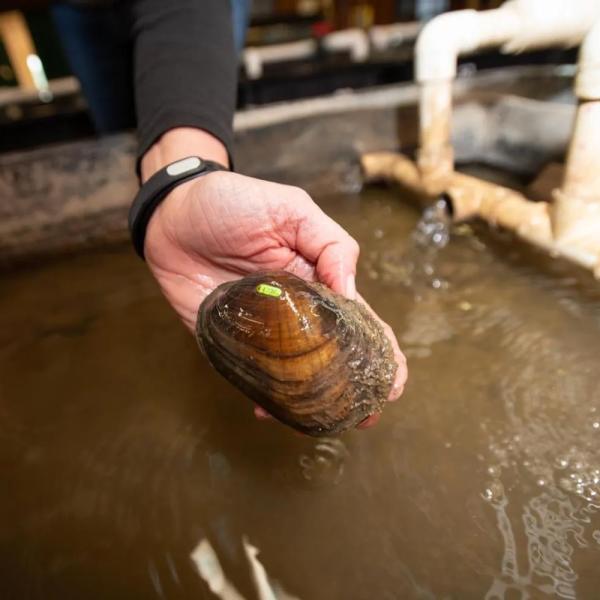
point(131, 470)
point(209, 568)
point(324, 464)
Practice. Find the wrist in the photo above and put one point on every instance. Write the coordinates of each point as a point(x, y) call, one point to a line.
point(164, 185)
point(179, 143)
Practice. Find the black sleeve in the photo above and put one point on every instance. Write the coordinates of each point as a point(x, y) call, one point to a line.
point(185, 68)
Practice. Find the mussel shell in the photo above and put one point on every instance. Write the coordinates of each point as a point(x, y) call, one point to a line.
point(313, 359)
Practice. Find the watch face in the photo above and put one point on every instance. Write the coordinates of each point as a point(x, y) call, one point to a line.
point(184, 165)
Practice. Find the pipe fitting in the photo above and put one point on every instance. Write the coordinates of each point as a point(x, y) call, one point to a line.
point(516, 26)
point(354, 41)
point(499, 206)
point(587, 81)
point(546, 23)
point(449, 35)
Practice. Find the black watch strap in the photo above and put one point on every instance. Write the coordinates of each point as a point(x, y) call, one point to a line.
point(153, 192)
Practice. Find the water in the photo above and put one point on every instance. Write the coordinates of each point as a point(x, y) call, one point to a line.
point(415, 265)
point(131, 470)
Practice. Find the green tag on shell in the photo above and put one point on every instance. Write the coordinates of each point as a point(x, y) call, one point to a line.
point(264, 289)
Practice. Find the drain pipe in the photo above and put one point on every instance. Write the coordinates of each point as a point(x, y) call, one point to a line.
point(516, 26)
point(576, 210)
point(571, 228)
point(470, 197)
point(438, 47)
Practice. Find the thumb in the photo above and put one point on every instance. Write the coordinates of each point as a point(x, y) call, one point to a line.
point(329, 247)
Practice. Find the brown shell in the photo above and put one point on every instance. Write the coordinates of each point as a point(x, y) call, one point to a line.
point(313, 359)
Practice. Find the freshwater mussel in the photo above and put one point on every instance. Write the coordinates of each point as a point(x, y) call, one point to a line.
point(311, 358)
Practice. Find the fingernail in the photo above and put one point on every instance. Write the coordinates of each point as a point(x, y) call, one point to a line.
point(351, 287)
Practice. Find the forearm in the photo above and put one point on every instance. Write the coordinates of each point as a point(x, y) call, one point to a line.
point(185, 80)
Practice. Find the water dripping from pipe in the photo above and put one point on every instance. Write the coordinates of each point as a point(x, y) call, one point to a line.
point(416, 267)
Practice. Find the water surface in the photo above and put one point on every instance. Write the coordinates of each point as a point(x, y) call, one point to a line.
point(124, 456)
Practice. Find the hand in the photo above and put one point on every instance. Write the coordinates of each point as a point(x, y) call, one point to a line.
point(222, 226)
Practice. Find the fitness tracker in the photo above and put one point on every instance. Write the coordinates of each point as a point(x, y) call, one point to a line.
point(153, 192)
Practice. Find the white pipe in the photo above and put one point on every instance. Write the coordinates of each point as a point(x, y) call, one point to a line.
point(516, 26)
point(546, 23)
point(254, 58)
point(587, 82)
point(451, 34)
point(355, 41)
point(576, 211)
point(388, 36)
point(440, 43)
point(571, 227)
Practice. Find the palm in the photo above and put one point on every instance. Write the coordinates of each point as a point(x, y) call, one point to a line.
point(223, 226)
point(196, 245)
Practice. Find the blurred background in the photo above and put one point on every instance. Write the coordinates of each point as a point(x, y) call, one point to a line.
point(292, 49)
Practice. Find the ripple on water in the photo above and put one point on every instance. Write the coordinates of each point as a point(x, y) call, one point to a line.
point(490, 463)
point(323, 464)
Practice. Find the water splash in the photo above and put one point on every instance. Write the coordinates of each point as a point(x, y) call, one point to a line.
point(433, 229)
point(351, 180)
point(416, 267)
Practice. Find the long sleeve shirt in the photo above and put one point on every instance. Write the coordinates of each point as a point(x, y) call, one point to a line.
point(185, 67)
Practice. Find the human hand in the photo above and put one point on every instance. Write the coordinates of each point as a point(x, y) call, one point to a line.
point(222, 226)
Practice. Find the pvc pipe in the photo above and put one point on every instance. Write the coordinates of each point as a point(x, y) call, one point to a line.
point(388, 36)
point(451, 34)
point(516, 26)
point(436, 56)
point(547, 23)
point(572, 228)
point(587, 81)
point(499, 206)
point(255, 58)
point(582, 169)
point(576, 211)
point(435, 155)
point(355, 41)
point(469, 196)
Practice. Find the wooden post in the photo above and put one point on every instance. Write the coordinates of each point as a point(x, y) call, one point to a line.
point(19, 45)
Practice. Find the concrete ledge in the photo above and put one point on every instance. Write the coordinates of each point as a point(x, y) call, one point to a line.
point(64, 197)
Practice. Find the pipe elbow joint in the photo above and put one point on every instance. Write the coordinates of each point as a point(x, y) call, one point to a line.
point(439, 44)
